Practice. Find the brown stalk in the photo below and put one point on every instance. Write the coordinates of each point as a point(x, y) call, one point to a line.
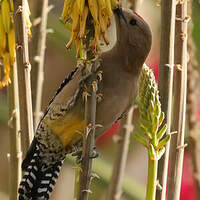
point(15, 137)
point(23, 70)
point(88, 144)
point(177, 141)
point(126, 128)
point(38, 55)
point(194, 146)
point(90, 98)
point(168, 9)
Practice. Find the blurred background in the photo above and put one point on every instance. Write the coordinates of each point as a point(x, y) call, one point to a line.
point(58, 63)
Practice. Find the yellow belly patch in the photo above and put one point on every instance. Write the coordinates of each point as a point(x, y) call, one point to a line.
point(68, 129)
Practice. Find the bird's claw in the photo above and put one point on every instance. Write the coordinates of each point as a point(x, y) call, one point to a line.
point(94, 86)
point(99, 97)
point(98, 126)
point(79, 160)
point(94, 175)
point(85, 95)
point(78, 155)
point(94, 154)
point(88, 67)
point(100, 75)
point(88, 191)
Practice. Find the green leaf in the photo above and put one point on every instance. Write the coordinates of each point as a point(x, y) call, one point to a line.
point(155, 125)
point(141, 139)
point(162, 117)
point(160, 153)
point(145, 123)
point(144, 128)
point(152, 152)
point(163, 142)
point(161, 132)
point(157, 109)
point(149, 136)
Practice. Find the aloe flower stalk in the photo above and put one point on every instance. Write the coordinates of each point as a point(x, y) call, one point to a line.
point(151, 129)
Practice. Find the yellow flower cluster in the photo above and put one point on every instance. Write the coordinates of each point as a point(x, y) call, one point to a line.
point(79, 11)
point(7, 38)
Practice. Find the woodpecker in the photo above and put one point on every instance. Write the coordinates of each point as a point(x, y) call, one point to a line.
point(58, 132)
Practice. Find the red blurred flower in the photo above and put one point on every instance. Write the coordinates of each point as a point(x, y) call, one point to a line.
point(154, 64)
point(109, 133)
point(187, 186)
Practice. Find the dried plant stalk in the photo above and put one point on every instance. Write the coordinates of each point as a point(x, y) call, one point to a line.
point(23, 70)
point(40, 32)
point(126, 127)
point(177, 141)
point(88, 145)
point(91, 86)
point(168, 9)
point(15, 137)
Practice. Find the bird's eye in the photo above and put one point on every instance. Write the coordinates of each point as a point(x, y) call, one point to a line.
point(133, 22)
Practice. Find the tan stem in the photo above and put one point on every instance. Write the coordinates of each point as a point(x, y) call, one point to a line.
point(38, 56)
point(126, 127)
point(15, 137)
point(88, 145)
point(177, 146)
point(166, 69)
point(23, 70)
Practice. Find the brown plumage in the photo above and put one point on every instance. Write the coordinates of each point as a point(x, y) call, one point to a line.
point(57, 134)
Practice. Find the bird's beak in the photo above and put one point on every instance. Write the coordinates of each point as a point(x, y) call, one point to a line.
point(120, 13)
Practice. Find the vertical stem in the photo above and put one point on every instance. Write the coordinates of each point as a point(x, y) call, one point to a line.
point(36, 15)
point(168, 8)
point(152, 178)
point(14, 127)
point(90, 114)
point(23, 70)
point(177, 154)
point(194, 145)
point(38, 61)
point(88, 145)
point(114, 192)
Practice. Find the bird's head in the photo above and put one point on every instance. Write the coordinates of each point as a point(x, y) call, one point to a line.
point(133, 35)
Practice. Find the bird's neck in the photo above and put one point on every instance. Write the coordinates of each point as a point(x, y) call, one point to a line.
point(121, 57)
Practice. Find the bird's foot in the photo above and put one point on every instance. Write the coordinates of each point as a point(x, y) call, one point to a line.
point(94, 175)
point(100, 75)
point(78, 155)
point(99, 97)
point(94, 86)
point(79, 160)
point(94, 154)
point(85, 95)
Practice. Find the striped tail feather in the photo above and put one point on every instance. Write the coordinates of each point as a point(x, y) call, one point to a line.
point(37, 183)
